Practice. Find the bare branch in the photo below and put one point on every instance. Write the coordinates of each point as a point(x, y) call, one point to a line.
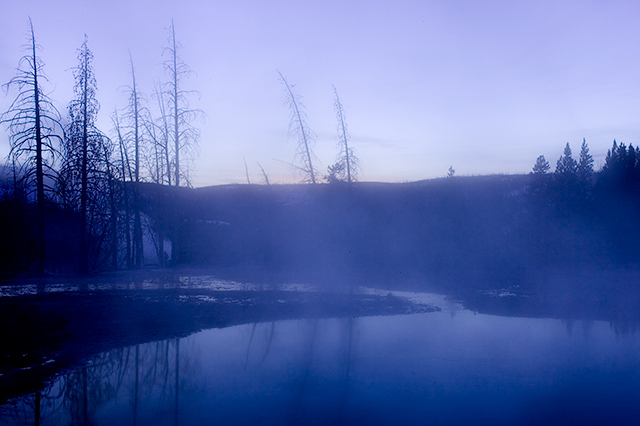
point(347, 164)
point(299, 128)
point(184, 135)
point(264, 174)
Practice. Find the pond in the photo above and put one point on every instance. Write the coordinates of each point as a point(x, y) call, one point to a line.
point(448, 367)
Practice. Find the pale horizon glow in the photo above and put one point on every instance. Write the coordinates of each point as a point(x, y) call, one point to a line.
point(485, 87)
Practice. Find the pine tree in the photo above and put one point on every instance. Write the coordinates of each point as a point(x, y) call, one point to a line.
point(540, 179)
point(566, 165)
point(585, 163)
point(566, 180)
point(585, 174)
point(541, 167)
point(611, 158)
point(621, 170)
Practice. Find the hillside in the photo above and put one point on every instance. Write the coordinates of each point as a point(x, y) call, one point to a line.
point(470, 231)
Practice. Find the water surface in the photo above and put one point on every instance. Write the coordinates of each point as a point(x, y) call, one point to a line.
point(450, 367)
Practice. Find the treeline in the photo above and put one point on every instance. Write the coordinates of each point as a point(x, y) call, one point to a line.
point(69, 189)
point(605, 201)
point(472, 232)
point(575, 187)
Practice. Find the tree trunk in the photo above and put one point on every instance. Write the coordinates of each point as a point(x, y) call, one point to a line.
point(124, 158)
point(41, 250)
point(84, 263)
point(114, 215)
point(137, 224)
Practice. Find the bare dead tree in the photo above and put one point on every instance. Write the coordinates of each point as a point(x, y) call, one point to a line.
point(35, 130)
point(153, 157)
point(264, 174)
point(159, 167)
point(133, 144)
point(162, 135)
point(184, 135)
point(113, 205)
point(125, 174)
point(347, 164)
point(299, 128)
point(83, 175)
point(246, 170)
point(159, 162)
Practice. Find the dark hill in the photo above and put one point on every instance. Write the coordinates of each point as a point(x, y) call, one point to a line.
point(483, 231)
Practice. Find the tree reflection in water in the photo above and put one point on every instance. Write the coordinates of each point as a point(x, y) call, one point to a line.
point(149, 373)
point(305, 369)
point(369, 370)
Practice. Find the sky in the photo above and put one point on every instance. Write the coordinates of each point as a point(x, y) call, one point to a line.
point(485, 87)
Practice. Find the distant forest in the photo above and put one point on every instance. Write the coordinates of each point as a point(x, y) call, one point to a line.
point(488, 230)
point(73, 200)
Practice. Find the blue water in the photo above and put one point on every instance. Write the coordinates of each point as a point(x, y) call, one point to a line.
point(444, 368)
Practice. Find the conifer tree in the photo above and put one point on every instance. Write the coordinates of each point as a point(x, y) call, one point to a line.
point(540, 178)
point(585, 174)
point(585, 163)
point(621, 170)
point(566, 180)
point(541, 167)
point(566, 165)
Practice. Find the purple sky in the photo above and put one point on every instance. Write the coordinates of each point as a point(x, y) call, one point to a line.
point(484, 87)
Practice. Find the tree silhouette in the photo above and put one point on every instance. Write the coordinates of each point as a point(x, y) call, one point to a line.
point(134, 139)
point(83, 176)
point(346, 163)
point(585, 163)
point(541, 167)
point(540, 179)
point(126, 174)
point(185, 136)
point(299, 128)
point(566, 179)
point(159, 133)
point(616, 195)
point(451, 172)
point(621, 170)
point(264, 174)
point(566, 165)
point(336, 172)
point(585, 173)
point(34, 126)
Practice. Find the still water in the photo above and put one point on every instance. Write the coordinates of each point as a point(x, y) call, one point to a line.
point(450, 367)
